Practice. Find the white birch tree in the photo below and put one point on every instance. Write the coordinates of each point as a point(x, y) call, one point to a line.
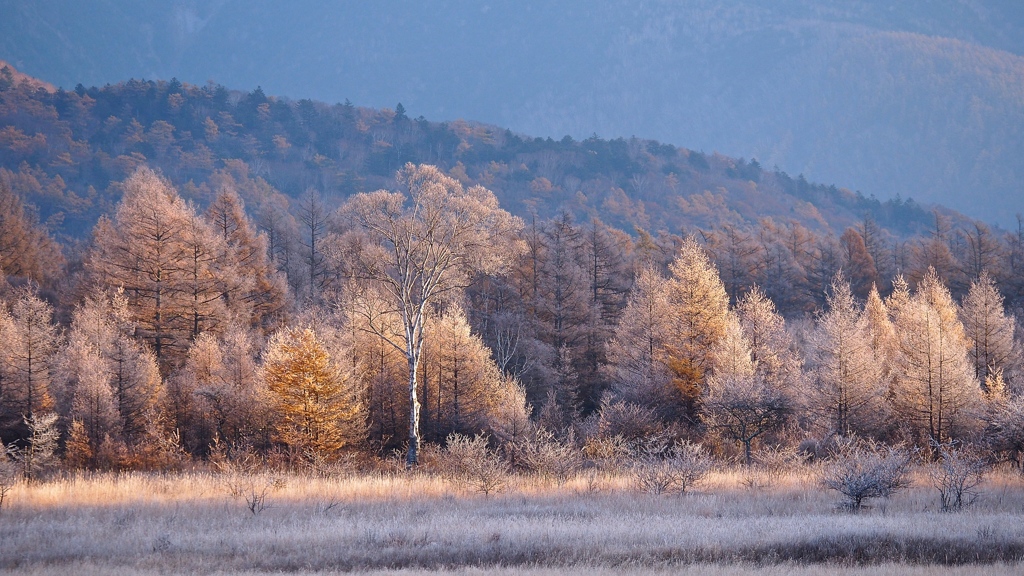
point(422, 246)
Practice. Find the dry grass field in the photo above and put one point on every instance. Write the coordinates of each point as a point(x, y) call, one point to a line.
point(417, 523)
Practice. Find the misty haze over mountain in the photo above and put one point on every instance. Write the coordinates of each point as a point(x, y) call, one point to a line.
point(921, 99)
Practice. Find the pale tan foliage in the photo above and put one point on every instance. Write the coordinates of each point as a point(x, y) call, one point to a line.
point(935, 389)
point(462, 387)
point(987, 327)
point(848, 390)
point(164, 256)
point(732, 354)
point(146, 523)
point(864, 470)
point(770, 345)
point(637, 351)
point(253, 289)
point(698, 311)
point(422, 248)
point(104, 377)
point(28, 340)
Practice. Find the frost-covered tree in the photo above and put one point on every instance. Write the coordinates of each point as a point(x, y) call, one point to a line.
point(421, 247)
point(771, 347)
point(143, 250)
point(104, 378)
point(28, 340)
point(251, 287)
point(987, 327)
point(935, 389)
point(461, 384)
point(848, 387)
point(637, 353)
point(698, 312)
point(741, 404)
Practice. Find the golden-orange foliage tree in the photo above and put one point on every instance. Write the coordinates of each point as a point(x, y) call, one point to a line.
point(317, 404)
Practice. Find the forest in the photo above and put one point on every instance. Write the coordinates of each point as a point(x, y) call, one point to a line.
point(221, 317)
point(245, 333)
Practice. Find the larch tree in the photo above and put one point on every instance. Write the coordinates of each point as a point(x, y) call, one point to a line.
point(28, 340)
point(143, 251)
point(26, 250)
point(935, 388)
point(987, 327)
point(860, 265)
point(607, 264)
point(316, 402)
point(562, 305)
point(461, 383)
point(205, 308)
point(251, 287)
point(770, 345)
point(226, 398)
point(848, 387)
point(82, 388)
point(880, 328)
point(422, 247)
point(698, 312)
point(740, 404)
point(102, 355)
point(313, 216)
point(637, 353)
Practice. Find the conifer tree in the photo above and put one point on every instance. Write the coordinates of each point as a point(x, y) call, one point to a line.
point(143, 250)
point(28, 339)
point(317, 407)
point(638, 351)
point(739, 403)
point(698, 312)
point(848, 392)
point(935, 388)
point(987, 327)
point(251, 287)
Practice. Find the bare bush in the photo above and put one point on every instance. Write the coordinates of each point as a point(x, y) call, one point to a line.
point(8, 477)
point(658, 469)
point(547, 457)
point(956, 476)
point(627, 420)
point(607, 453)
point(468, 461)
point(253, 490)
point(770, 463)
point(863, 470)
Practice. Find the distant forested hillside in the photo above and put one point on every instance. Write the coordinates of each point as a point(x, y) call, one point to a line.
point(62, 150)
point(919, 98)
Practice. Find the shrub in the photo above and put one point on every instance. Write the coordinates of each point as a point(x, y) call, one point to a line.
point(545, 456)
point(956, 476)
point(770, 463)
point(607, 453)
point(658, 468)
point(8, 477)
point(253, 489)
point(468, 460)
point(863, 470)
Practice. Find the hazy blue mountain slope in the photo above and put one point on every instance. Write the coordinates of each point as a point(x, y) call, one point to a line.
point(918, 98)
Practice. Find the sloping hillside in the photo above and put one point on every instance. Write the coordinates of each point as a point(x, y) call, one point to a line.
point(920, 98)
point(63, 150)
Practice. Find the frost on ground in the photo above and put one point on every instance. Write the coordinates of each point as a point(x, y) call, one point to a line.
point(142, 524)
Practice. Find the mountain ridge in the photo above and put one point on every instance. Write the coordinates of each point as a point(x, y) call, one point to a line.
point(920, 99)
point(64, 150)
